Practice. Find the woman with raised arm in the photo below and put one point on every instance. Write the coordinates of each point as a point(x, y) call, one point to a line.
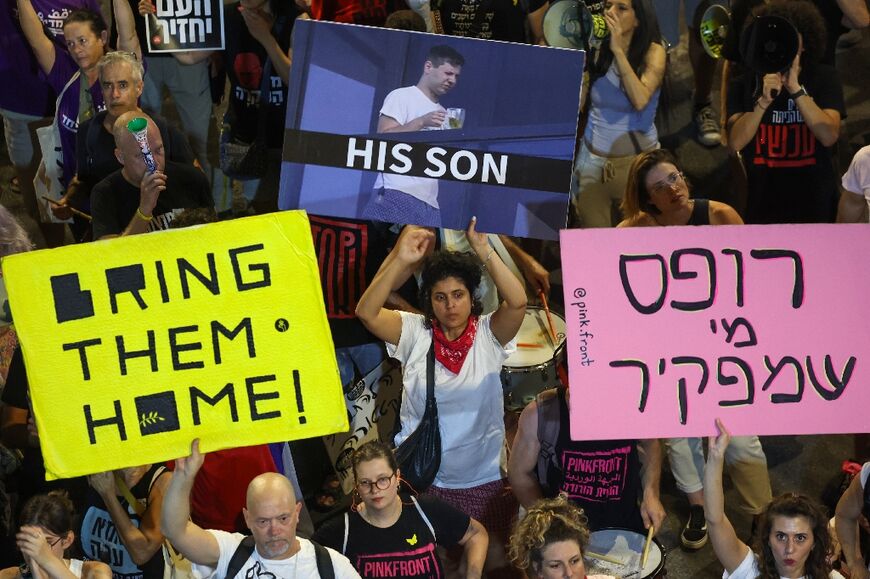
point(387, 527)
point(469, 351)
point(785, 125)
point(73, 73)
point(128, 501)
point(625, 84)
point(44, 537)
point(792, 541)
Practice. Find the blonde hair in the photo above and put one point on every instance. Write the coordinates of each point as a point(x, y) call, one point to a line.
point(547, 521)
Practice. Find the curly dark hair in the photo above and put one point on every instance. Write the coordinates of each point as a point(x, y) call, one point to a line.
point(806, 18)
point(444, 264)
point(794, 505)
point(547, 521)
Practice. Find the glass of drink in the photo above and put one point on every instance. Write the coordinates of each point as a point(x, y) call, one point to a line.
point(455, 118)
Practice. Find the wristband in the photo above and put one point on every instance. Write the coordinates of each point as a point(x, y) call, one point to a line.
point(143, 217)
point(800, 92)
point(489, 255)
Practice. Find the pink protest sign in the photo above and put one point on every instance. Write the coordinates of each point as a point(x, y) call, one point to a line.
point(765, 327)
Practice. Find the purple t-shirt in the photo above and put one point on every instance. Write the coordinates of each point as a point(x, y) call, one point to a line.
point(29, 94)
point(68, 111)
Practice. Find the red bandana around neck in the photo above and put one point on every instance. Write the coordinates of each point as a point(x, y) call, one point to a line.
point(452, 354)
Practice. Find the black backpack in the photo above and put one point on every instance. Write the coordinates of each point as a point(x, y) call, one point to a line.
point(246, 548)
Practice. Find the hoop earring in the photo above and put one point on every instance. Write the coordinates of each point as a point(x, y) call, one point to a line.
point(355, 500)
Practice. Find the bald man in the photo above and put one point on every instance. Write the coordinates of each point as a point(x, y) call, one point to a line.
point(271, 514)
point(133, 200)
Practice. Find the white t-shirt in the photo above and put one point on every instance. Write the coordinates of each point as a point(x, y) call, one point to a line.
point(470, 404)
point(748, 569)
point(857, 177)
point(303, 565)
point(406, 104)
point(865, 473)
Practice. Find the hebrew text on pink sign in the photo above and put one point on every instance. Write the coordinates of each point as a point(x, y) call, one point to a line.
point(766, 327)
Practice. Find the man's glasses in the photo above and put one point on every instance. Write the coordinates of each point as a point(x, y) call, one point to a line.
point(667, 183)
point(382, 483)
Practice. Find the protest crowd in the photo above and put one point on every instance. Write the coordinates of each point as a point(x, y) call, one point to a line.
point(440, 310)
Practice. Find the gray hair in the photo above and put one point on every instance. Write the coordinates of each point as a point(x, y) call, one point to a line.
point(13, 237)
point(118, 57)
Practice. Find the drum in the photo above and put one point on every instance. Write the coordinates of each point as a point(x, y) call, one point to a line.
point(618, 552)
point(532, 368)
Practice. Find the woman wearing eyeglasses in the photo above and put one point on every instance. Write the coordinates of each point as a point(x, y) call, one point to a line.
point(387, 535)
point(72, 73)
point(657, 193)
point(45, 535)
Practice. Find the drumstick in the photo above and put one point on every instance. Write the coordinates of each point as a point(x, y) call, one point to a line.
point(601, 557)
point(528, 345)
point(549, 317)
point(81, 214)
point(649, 537)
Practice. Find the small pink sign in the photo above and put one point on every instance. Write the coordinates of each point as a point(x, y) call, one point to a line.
point(766, 327)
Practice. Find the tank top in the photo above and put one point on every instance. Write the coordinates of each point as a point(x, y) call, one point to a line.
point(615, 128)
point(101, 541)
point(600, 476)
point(700, 213)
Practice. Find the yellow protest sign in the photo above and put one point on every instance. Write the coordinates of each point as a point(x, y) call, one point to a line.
point(136, 345)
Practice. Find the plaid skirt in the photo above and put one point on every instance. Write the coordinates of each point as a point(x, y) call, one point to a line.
point(492, 504)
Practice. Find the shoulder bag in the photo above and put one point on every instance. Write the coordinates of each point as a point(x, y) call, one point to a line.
point(419, 456)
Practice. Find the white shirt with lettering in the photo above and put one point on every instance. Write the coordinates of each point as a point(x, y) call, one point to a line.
point(303, 565)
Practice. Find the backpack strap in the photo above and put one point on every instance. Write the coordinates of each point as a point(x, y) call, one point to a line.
point(548, 430)
point(425, 519)
point(324, 562)
point(240, 557)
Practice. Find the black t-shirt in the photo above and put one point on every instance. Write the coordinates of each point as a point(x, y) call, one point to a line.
point(114, 200)
point(95, 149)
point(15, 390)
point(600, 476)
point(790, 174)
point(245, 61)
point(487, 19)
point(349, 253)
point(407, 549)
